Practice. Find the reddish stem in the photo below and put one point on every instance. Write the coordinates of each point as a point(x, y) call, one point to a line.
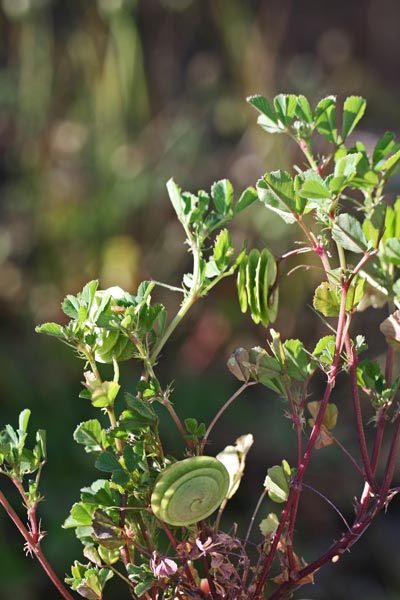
point(34, 547)
point(391, 463)
point(296, 487)
point(380, 428)
point(353, 360)
point(389, 366)
point(336, 549)
point(293, 513)
point(182, 559)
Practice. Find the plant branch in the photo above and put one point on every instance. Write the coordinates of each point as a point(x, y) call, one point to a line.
point(222, 410)
point(294, 490)
point(391, 462)
point(353, 360)
point(34, 547)
point(190, 299)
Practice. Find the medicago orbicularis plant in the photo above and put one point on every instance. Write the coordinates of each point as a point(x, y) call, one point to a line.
point(149, 519)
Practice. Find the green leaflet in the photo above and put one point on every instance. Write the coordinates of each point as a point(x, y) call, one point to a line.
point(353, 111)
point(347, 232)
point(277, 482)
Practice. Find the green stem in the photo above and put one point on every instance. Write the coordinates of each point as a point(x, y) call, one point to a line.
point(186, 304)
point(222, 410)
point(305, 147)
point(342, 257)
point(253, 516)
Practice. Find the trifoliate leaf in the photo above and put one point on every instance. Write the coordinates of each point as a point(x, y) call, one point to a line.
point(89, 434)
point(80, 516)
point(324, 351)
point(285, 106)
point(105, 394)
point(223, 250)
point(276, 190)
point(268, 119)
point(370, 376)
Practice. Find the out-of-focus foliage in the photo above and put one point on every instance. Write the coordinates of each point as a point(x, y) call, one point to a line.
point(101, 102)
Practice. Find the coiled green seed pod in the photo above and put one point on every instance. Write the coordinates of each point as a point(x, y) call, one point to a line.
point(189, 490)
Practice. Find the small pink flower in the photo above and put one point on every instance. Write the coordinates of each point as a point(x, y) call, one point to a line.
point(204, 546)
point(162, 566)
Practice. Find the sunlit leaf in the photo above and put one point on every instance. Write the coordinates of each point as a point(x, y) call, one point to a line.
point(80, 516)
point(222, 195)
point(175, 196)
point(89, 434)
point(277, 482)
point(303, 110)
point(347, 232)
point(276, 190)
point(269, 525)
point(285, 106)
point(234, 458)
point(325, 118)
point(268, 119)
point(51, 329)
point(392, 250)
point(330, 416)
point(325, 349)
point(353, 110)
point(384, 146)
point(327, 299)
point(247, 197)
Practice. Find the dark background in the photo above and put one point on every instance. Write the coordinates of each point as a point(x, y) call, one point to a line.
point(100, 104)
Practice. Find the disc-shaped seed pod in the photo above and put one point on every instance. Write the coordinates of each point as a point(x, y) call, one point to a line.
point(189, 490)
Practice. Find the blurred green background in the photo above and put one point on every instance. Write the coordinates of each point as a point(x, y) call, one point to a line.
point(101, 102)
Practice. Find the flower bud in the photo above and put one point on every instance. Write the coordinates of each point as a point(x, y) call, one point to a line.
point(238, 364)
point(390, 328)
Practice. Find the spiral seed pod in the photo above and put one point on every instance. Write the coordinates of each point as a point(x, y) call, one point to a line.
point(256, 285)
point(189, 490)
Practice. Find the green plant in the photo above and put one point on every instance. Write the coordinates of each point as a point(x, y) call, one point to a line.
point(145, 520)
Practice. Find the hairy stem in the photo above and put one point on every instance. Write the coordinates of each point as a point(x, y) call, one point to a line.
point(34, 547)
